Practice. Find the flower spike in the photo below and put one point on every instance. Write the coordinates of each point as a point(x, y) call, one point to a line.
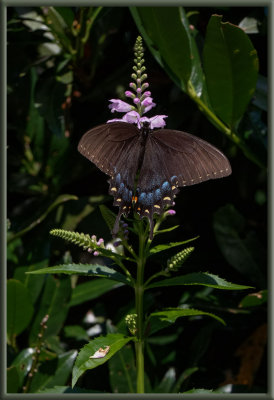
point(140, 96)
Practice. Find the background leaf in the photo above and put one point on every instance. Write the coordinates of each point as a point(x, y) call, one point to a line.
point(54, 372)
point(19, 308)
point(92, 289)
point(161, 319)
point(166, 37)
point(54, 302)
point(12, 380)
point(241, 249)
point(231, 69)
point(23, 363)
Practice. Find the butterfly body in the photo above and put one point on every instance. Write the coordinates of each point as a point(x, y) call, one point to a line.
point(146, 167)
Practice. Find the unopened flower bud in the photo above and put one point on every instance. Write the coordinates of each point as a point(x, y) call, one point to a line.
point(133, 85)
point(171, 212)
point(96, 253)
point(144, 86)
point(128, 93)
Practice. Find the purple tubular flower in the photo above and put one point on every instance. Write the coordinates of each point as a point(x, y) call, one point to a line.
point(116, 120)
point(132, 117)
point(148, 104)
point(157, 121)
point(100, 241)
point(119, 106)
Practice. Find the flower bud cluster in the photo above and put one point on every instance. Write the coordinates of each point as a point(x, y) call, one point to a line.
point(99, 243)
point(131, 321)
point(176, 261)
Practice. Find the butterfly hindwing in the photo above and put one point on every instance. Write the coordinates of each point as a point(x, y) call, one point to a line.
point(190, 158)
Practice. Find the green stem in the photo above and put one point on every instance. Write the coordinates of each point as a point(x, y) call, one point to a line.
point(139, 299)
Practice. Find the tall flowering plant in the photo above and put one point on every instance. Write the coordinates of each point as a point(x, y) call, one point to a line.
point(128, 264)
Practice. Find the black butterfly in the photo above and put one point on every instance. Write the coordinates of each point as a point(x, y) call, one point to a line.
point(147, 166)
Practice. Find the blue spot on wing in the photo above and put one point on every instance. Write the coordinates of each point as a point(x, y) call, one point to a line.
point(142, 198)
point(125, 194)
point(165, 186)
point(157, 195)
point(121, 188)
point(118, 179)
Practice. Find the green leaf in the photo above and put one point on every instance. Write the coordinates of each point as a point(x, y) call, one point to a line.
point(83, 362)
point(162, 319)
point(53, 372)
point(66, 13)
point(58, 26)
point(167, 229)
point(254, 299)
point(199, 278)
point(167, 39)
point(231, 69)
point(23, 363)
point(33, 283)
point(19, 308)
point(84, 269)
point(67, 389)
point(108, 216)
point(241, 249)
point(168, 381)
point(76, 332)
point(184, 375)
point(55, 303)
point(60, 199)
point(12, 380)
point(91, 290)
point(162, 247)
point(199, 391)
point(122, 371)
point(197, 77)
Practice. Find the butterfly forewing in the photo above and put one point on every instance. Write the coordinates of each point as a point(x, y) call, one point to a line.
point(115, 149)
point(106, 145)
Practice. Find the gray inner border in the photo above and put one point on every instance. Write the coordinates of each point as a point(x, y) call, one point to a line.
point(3, 112)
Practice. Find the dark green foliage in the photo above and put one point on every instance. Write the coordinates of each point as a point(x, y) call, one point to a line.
point(59, 84)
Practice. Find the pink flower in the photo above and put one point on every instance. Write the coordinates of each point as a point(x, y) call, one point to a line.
point(148, 104)
point(119, 106)
point(157, 121)
point(96, 253)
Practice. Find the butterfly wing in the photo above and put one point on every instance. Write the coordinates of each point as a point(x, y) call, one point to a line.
point(108, 144)
point(115, 149)
point(173, 159)
point(192, 159)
